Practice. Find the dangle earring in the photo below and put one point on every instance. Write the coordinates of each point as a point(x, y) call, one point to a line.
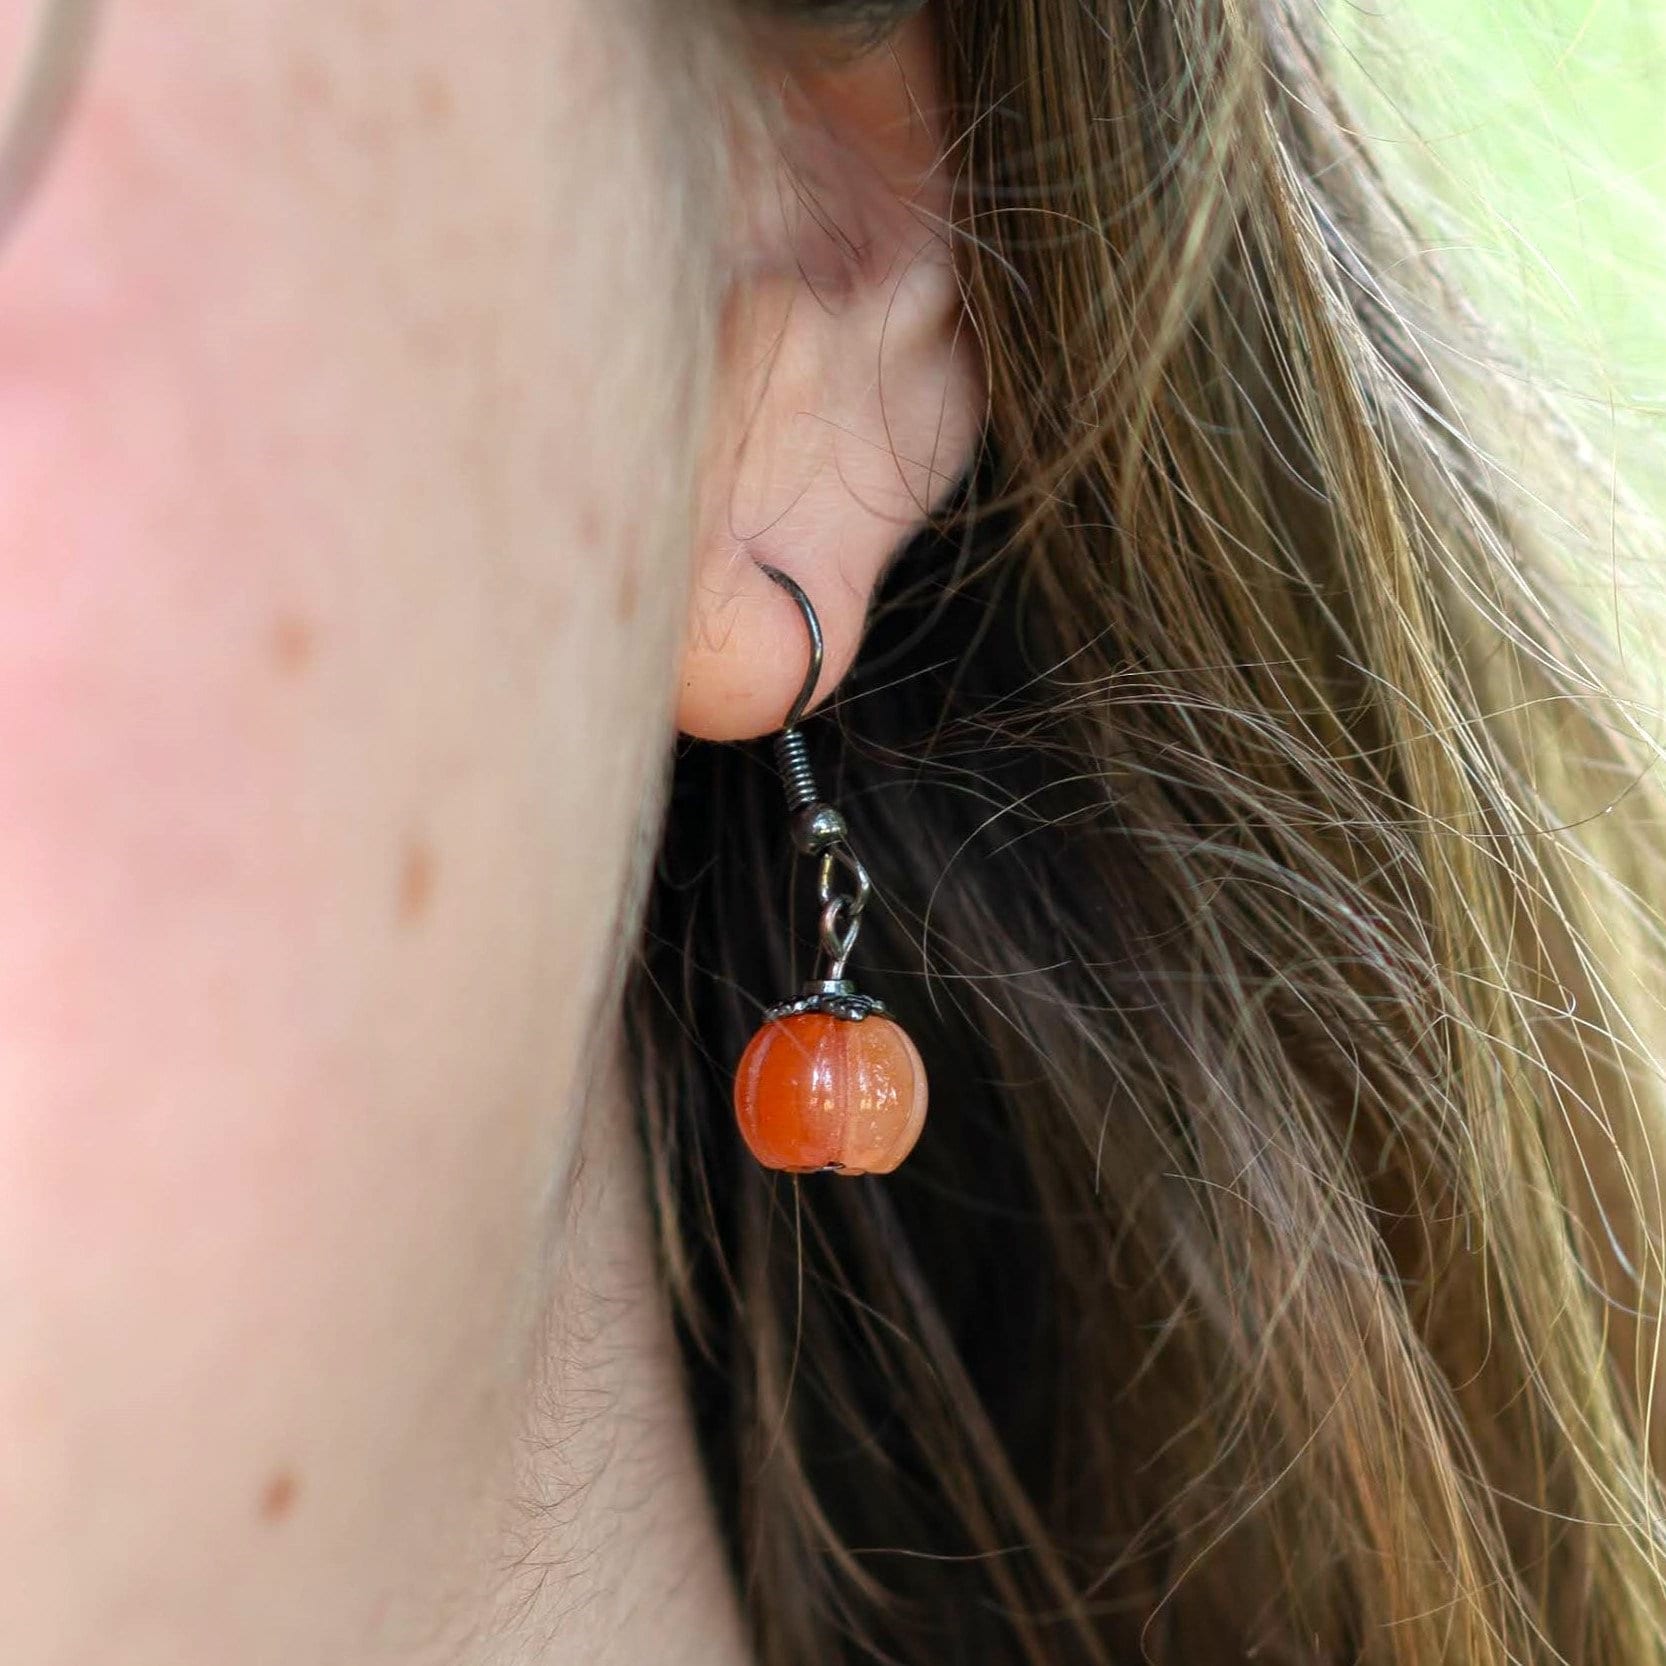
point(828, 1082)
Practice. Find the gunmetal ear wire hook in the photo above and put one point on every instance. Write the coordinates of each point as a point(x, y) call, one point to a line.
point(829, 1081)
point(817, 645)
point(818, 827)
point(40, 96)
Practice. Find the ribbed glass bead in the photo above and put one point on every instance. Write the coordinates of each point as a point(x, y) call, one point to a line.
point(815, 1091)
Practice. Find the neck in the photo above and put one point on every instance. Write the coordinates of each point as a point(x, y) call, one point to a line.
point(611, 1540)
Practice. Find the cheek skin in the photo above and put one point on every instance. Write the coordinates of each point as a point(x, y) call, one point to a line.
point(316, 581)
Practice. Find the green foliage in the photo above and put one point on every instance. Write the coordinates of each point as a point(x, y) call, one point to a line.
point(1538, 128)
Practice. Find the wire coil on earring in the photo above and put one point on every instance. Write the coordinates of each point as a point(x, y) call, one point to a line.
point(829, 1081)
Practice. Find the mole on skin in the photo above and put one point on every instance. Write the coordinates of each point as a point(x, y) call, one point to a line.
point(628, 597)
point(309, 85)
point(433, 100)
point(294, 644)
point(277, 1500)
point(416, 882)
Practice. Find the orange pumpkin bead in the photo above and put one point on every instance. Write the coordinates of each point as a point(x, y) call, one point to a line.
point(815, 1091)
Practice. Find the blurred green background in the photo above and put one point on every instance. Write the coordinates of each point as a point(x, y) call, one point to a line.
point(1539, 129)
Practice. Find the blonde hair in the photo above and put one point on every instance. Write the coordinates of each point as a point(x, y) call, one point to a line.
point(1271, 840)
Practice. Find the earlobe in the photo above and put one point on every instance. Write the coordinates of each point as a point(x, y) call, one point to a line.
point(851, 393)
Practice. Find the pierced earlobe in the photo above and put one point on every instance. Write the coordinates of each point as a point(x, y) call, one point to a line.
point(849, 398)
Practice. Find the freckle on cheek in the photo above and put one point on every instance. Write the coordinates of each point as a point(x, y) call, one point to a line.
point(629, 596)
point(294, 645)
point(591, 527)
point(416, 882)
point(309, 85)
point(434, 102)
point(277, 1497)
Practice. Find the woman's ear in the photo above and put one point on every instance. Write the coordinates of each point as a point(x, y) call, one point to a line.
point(850, 393)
